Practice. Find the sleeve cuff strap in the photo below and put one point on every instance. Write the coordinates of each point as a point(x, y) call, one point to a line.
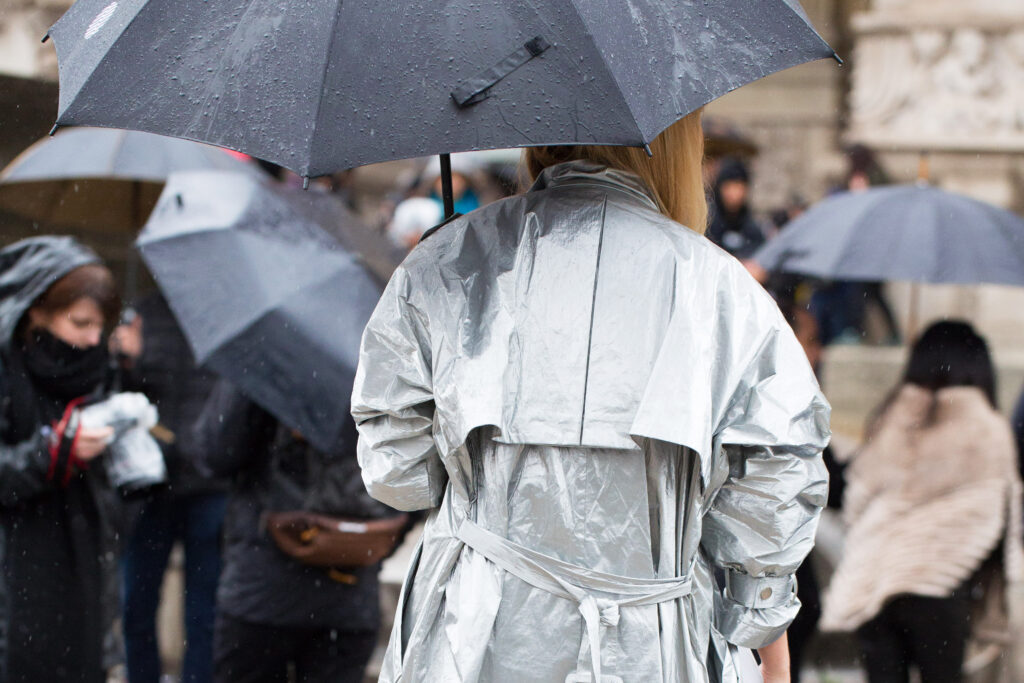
point(759, 593)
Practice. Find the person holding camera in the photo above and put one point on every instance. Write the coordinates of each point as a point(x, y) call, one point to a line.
point(59, 511)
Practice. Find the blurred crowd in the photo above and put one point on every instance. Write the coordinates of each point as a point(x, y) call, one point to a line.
point(930, 500)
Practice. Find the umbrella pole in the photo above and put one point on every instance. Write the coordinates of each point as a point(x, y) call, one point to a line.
point(913, 315)
point(447, 194)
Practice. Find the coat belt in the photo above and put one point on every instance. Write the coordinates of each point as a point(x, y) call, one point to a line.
point(597, 594)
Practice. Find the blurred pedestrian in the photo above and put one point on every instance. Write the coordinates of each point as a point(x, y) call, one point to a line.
point(576, 385)
point(732, 225)
point(190, 510)
point(790, 290)
point(841, 306)
point(464, 190)
point(805, 626)
point(61, 516)
point(273, 611)
point(412, 218)
point(933, 505)
point(1018, 430)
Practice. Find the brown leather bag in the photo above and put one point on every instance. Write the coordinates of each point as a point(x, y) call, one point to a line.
point(325, 541)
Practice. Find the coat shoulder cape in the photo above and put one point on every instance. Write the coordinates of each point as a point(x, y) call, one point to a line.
point(576, 314)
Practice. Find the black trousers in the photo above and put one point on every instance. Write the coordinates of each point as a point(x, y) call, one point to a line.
point(259, 653)
point(912, 630)
point(803, 628)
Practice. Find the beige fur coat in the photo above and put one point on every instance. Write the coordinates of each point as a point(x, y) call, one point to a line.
point(927, 501)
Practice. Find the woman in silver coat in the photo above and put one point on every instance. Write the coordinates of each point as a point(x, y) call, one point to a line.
point(616, 434)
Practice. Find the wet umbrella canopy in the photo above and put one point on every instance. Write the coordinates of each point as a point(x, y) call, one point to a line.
point(324, 85)
point(101, 179)
point(266, 297)
point(916, 232)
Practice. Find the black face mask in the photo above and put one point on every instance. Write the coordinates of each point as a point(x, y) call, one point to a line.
point(62, 370)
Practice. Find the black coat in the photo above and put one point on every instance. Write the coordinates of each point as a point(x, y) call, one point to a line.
point(60, 522)
point(167, 374)
point(275, 471)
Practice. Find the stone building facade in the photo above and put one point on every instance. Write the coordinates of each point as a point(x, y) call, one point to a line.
point(22, 24)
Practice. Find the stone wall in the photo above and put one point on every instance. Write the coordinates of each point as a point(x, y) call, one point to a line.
point(22, 24)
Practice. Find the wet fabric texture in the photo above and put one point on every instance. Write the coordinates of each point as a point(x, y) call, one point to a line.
point(615, 430)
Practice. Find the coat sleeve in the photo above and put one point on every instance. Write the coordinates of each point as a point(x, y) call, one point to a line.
point(24, 470)
point(393, 405)
point(25, 467)
point(762, 521)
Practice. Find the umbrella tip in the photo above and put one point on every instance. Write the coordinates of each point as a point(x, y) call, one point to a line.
point(53, 131)
point(647, 148)
point(305, 182)
point(45, 38)
point(839, 60)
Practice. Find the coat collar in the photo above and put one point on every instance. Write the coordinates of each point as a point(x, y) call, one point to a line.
point(592, 173)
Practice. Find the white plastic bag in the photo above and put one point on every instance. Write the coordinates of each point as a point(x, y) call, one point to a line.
point(134, 460)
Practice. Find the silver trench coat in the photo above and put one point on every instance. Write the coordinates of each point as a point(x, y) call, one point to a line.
point(616, 434)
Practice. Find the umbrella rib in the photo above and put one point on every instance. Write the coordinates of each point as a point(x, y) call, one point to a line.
point(322, 82)
point(116, 150)
point(95, 70)
point(806, 20)
point(611, 73)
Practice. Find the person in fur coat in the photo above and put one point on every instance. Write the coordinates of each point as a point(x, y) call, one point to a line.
point(933, 505)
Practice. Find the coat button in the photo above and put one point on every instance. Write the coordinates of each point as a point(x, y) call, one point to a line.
point(766, 593)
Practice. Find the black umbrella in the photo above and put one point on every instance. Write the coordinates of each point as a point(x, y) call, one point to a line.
point(267, 298)
point(325, 85)
point(916, 233)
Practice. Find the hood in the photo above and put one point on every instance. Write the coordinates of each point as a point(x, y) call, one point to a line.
point(731, 169)
point(28, 268)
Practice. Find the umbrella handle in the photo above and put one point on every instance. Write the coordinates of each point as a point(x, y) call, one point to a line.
point(447, 194)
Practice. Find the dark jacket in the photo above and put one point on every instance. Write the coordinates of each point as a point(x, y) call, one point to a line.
point(736, 232)
point(739, 234)
point(60, 521)
point(167, 374)
point(275, 471)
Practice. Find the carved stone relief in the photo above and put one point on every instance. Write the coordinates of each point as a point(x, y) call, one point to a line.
point(940, 88)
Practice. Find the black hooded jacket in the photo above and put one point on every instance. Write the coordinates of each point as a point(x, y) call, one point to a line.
point(60, 520)
point(735, 231)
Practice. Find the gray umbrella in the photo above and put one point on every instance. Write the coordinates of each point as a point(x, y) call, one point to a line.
point(324, 85)
point(101, 179)
point(916, 233)
point(266, 297)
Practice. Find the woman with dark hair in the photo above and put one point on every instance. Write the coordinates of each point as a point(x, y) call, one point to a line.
point(616, 432)
point(58, 511)
point(932, 497)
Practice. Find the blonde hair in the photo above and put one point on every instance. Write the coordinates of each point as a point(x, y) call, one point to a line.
point(673, 172)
